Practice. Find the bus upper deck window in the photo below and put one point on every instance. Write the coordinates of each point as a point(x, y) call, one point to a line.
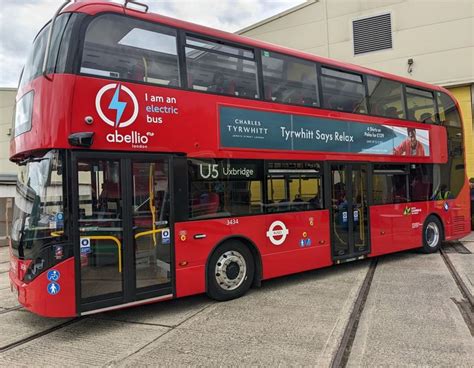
point(290, 80)
point(343, 91)
point(448, 112)
point(220, 68)
point(131, 49)
point(385, 98)
point(420, 105)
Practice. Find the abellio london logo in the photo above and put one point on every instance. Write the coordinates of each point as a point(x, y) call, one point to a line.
point(123, 106)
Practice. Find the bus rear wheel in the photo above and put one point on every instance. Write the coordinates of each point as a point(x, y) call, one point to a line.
point(432, 235)
point(230, 271)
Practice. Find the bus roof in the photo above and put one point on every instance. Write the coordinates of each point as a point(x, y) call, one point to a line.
point(96, 7)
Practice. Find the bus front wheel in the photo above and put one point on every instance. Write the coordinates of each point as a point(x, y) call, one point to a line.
point(230, 271)
point(432, 235)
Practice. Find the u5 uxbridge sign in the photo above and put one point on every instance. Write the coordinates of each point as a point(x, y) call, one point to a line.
point(244, 128)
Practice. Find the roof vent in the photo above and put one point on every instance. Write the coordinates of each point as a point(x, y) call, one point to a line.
point(372, 34)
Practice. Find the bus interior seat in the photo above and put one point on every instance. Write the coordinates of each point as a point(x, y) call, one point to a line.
point(268, 92)
point(209, 202)
point(137, 72)
point(230, 89)
point(391, 112)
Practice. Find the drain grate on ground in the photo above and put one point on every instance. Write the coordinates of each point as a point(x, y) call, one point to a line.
point(455, 247)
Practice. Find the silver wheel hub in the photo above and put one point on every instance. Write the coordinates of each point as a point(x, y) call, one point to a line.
point(432, 235)
point(231, 270)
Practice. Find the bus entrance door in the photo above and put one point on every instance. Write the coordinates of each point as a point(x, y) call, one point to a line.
point(121, 207)
point(349, 214)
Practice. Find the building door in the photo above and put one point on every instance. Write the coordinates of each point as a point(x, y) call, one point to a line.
point(122, 228)
point(349, 211)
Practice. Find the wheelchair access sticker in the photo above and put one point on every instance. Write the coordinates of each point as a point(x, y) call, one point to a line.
point(85, 245)
point(165, 236)
point(53, 275)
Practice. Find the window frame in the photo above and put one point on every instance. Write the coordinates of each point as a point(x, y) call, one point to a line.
point(316, 71)
point(402, 97)
point(435, 116)
point(217, 40)
point(363, 82)
point(82, 40)
point(379, 172)
point(260, 165)
point(320, 175)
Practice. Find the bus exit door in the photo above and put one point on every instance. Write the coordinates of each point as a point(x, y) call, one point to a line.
point(122, 228)
point(349, 213)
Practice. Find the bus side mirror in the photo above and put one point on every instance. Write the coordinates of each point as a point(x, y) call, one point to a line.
point(83, 139)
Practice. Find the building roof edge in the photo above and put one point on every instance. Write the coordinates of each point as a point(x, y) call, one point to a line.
point(276, 16)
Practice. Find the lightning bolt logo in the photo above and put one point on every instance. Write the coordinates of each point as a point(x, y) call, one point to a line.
point(117, 105)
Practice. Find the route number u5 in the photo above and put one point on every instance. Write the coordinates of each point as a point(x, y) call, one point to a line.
point(212, 171)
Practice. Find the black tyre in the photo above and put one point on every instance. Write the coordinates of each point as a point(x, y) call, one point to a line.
point(432, 235)
point(230, 271)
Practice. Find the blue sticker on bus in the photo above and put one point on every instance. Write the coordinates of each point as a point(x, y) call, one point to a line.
point(53, 275)
point(59, 219)
point(165, 236)
point(53, 288)
point(85, 245)
point(344, 217)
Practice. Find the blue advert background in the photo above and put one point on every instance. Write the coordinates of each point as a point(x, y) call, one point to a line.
point(245, 128)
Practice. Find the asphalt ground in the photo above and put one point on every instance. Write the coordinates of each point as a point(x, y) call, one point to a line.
point(404, 309)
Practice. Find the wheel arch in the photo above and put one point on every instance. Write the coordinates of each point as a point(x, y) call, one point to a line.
point(257, 258)
point(438, 217)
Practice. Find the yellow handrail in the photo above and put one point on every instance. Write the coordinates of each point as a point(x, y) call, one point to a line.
point(151, 193)
point(109, 237)
point(148, 232)
point(99, 237)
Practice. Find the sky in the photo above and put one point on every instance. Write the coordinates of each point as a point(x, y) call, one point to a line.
point(20, 21)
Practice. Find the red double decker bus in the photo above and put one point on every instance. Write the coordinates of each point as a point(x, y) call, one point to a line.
point(159, 159)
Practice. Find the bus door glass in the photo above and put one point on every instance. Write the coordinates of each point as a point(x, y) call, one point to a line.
point(100, 228)
point(151, 227)
point(123, 228)
point(349, 213)
point(359, 208)
point(339, 217)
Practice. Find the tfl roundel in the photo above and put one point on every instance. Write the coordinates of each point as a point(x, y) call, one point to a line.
point(116, 105)
point(277, 232)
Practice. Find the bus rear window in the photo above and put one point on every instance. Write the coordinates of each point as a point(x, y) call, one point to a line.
point(130, 49)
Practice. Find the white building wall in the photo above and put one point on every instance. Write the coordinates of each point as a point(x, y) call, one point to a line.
point(7, 169)
point(7, 103)
point(437, 35)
